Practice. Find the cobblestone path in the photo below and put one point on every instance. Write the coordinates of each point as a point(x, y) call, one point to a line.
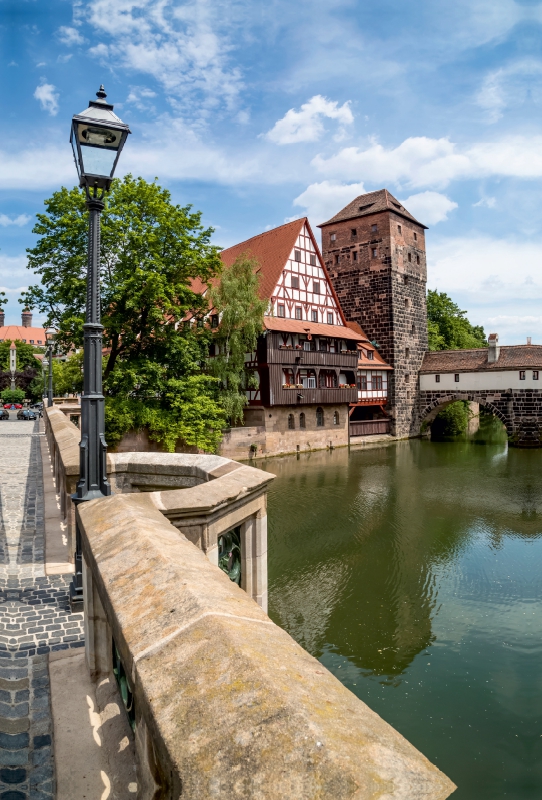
point(35, 618)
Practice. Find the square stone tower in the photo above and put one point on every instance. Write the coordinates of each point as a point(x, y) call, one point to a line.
point(374, 250)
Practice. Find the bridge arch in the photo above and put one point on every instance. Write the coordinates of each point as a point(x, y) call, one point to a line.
point(431, 409)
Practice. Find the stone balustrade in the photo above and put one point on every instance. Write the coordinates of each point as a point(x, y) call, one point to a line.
point(223, 702)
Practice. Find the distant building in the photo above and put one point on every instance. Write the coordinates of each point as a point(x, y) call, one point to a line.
point(24, 332)
point(306, 361)
point(374, 251)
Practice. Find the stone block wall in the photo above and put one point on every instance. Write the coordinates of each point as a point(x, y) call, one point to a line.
point(385, 293)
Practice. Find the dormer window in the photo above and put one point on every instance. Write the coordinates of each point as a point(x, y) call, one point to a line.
point(370, 355)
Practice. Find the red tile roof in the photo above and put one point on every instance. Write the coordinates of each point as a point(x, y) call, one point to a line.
point(316, 328)
point(22, 334)
point(372, 203)
point(521, 356)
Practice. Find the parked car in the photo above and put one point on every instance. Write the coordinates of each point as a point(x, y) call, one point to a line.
point(4, 414)
point(12, 406)
point(26, 413)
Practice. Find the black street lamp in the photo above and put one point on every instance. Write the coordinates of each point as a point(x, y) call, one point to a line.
point(49, 335)
point(97, 138)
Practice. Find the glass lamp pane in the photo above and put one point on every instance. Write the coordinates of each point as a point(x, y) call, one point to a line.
point(97, 161)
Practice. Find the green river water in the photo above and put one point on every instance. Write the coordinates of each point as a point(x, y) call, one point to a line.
point(413, 573)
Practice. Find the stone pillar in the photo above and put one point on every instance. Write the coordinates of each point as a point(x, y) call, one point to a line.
point(98, 640)
point(254, 558)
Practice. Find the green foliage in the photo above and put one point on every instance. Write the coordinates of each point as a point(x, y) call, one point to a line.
point(67, 375)
point(237, 302)
point(13, 395)
point(150, 252)
point(448, 326)
point(452, 420)
point(3, 299)
point(25, 355)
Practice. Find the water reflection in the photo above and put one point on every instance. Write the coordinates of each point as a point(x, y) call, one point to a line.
point(412, 572)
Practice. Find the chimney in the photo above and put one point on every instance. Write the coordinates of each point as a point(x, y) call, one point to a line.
point(529, 340)
point(493, 348)
point(2, 318)
point(27, 318)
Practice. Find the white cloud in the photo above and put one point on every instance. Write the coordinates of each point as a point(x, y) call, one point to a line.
point(421, 161)
point(12, 272)
point(21, 220)
point(429, 207)
point(487, 202)
point(306, 125)
point(70, 36)
point(37, 168)
point(322, 200)
point(48, 98)
point(139, 95)
point(510, 86)
point(181, 46)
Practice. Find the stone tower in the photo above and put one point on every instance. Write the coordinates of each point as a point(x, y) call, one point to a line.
point(374, 250)
point(26, 318)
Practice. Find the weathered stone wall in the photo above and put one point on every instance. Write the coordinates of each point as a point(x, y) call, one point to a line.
point(520, 411)
point(226, 704)
point(385, 294)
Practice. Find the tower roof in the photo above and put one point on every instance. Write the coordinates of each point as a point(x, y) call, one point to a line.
point(372, 203)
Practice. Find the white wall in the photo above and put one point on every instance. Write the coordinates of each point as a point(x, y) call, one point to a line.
point(497, 380)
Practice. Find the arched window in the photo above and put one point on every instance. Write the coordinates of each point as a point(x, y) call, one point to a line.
point(291, 422)
point(319, 417)
point(302, 423)
point(335, 417)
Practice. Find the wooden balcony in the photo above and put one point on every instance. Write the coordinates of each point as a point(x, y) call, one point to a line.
point(312, 358)
point(305, 397)
point(369, 427)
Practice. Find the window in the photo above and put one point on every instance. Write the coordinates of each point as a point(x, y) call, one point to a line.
point(302, 420)
point(355, 255)
point(298, 314)
point(288, 377)
point(335, 417)
point(535, 374)
point(407, 352)
point(437, 378)
point(415, 237)
point(31, 341)
point(312, 260)
point(413, 328)
point(370, 355)
point(400, 230)
point(328, 379)
point(354, 232)
point(417, 259)
point(409, 257)
point(405, 280)
point(333, 237)
point(522, 374)
point(456, 377)
point(295, 281)
point(214, 320)
point(374, 228)
point(362, 382)
point(297, 255)
point(314, 315)
point(376, 383)
point(319, 417)
point(374, 252)
point(407, 303)
point(280, 310)
point(336, 259)
point(316, 287)
point(291, 422)
point(323, 345)
point(407, 377)
point(330, 319)
point(307, 377)
point(39, 341)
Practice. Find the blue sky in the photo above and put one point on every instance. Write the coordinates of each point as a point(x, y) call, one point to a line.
point(261, 112)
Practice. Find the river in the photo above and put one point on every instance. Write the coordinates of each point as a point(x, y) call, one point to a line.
point(413, 573)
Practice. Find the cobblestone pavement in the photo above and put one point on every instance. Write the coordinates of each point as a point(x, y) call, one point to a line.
point(35, 618)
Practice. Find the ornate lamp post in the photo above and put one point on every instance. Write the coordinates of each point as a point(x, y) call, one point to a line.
point(50, 335)
point(97, 138)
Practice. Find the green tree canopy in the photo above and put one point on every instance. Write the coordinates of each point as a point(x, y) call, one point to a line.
point(151, 250)
point(448, 326)
point(3, 299)
point(25, 355)
point(236, 301)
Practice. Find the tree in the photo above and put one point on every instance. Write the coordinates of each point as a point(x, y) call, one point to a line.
point(151, 250)
point(236, 301)
point(67, 375)
point(3, 299)
point(448, 326)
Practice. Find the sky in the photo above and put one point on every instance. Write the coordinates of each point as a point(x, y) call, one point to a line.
point(257, 113)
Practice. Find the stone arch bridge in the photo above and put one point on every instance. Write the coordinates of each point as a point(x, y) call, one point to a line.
point(505, 380)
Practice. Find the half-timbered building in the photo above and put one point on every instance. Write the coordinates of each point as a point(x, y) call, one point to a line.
point(306, 361)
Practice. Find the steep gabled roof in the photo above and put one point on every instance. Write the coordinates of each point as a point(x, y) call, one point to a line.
point(272, 249)
point(372, 203)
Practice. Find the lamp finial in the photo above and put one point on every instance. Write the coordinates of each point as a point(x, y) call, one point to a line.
point(101, 93)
